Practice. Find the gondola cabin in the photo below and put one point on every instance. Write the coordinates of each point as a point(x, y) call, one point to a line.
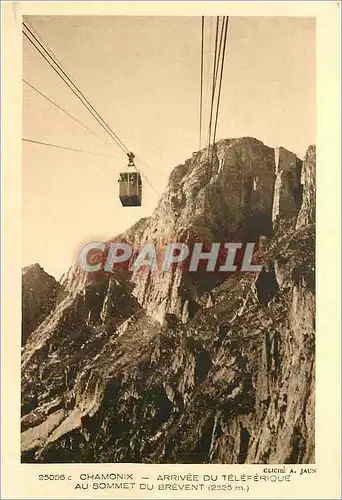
point(130, 186)
point(130, 189)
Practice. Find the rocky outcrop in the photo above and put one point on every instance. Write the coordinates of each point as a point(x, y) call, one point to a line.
point(170, 367)
point(228, 195)
point(287, 197)
point(40, 293)
point(307, 214)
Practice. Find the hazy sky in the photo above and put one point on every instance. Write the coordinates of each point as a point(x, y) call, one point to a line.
point(142, 74)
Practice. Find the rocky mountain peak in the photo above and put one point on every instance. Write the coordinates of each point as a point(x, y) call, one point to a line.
point(235, 192)
point(177, 367)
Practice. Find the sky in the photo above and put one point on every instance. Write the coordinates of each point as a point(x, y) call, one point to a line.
point(143, 76)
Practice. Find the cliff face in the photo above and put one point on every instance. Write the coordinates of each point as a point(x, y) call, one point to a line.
point(307, 214)
point(180, 367)
point(40, 292)
point(238, 197)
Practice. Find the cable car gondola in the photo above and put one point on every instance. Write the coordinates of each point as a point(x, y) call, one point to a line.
point(130, 185)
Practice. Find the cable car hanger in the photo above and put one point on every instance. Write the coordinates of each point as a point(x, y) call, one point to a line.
point(131, 157)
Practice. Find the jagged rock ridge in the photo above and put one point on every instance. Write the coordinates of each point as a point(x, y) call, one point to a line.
point(40, 294)
point(155, 367)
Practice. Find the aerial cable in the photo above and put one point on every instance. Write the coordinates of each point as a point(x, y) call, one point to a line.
point(201, 85)
point(42, 54)
point(216, 47)
point(219, 51)
point(41, 41)
point(61, 72)
point(85, 151)
point(66, 147)
point(31, 141)
point(64, 110)
point(52, 56)
point(215, 63)
point(219, 63)
point(211, 140)
point(213, 90)
point(221, 77)
point(79, 94)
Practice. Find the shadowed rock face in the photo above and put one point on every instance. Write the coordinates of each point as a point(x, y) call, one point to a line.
point(178, 368)
point(40, 293)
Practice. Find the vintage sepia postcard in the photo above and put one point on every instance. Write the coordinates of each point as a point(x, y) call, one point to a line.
point(171, 251)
